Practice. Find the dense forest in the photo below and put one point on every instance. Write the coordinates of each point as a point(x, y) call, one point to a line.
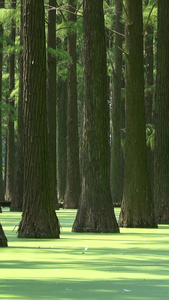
point(84, 105)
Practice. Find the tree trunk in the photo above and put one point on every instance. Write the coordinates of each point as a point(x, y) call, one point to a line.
point(72, 194)
point(16, 204)
point(52, 94)
point(116, 150)
point(149, 81)
point(161, 151)
point(1, 65)
point(95, 212)
point(137, 205)
point(3, 239)
point(39, 219)
point(61, 138)
point(10, 172)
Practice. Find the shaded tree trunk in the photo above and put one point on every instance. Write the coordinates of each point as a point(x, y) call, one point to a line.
point(72, 194)
point(95, 212)
point(149, 81)
point(161, 151)
point(137, 205)
point(39, 219)
point(10, 172)
point(116, 150)
point(3, 239)
point(16, 204)
point(61, 138)
point(52, 94)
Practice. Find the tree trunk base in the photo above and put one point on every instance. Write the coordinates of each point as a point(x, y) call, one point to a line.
point(3, 239)
point(94, 221)
point(41, 229)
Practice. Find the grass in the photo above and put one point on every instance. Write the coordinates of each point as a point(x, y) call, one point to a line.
point(131, 265)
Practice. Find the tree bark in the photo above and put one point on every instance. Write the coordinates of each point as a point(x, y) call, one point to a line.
point(52, 94)
point(10, 172)
point(161, 151)
point(3, 239)
point(137, 206)
point(16, 204)
point(72, 194)
point(116, 150)
point(39, 219)
point(61, 138)
point(149, 82)
point(95, 212)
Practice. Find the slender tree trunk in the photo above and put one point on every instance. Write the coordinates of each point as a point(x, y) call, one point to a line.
point(72, 194)
point(10, 175)
point(39, 219)
point(116, 150)
point(52, 94)
point(16, 204)
point(95, 212)
point(61, 138)
point(149, 81)
point(1, 65)
point(137, 205)
point(161, 151)
point(3, 239)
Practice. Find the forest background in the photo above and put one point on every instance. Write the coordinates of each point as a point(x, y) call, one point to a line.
point(131, 123)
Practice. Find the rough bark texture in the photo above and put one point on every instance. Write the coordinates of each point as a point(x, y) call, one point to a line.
point(16, 204)
point(72, 194)
point(61, 138)
point(1, 64)
point(52, 94)
point(137, 205)
point(3, 239)
point(161, 152)
point(39, 219)
point(10, 156)
point(116, 150)
point(95, 212)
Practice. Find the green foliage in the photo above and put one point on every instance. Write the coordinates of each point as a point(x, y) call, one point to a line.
point(150, 135)
point(60, 54)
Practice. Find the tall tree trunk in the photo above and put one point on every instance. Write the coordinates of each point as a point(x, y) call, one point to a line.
point(61, 138)
point(95, 212)
point(161, 151)
point(137, 205)
point(149, 81)
point(10, 172)
point(3, 239)
point(72, 194)
point(52, 94)
point(116, 150)
point(1, 65)
point(16, 204)
point(39, 219)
